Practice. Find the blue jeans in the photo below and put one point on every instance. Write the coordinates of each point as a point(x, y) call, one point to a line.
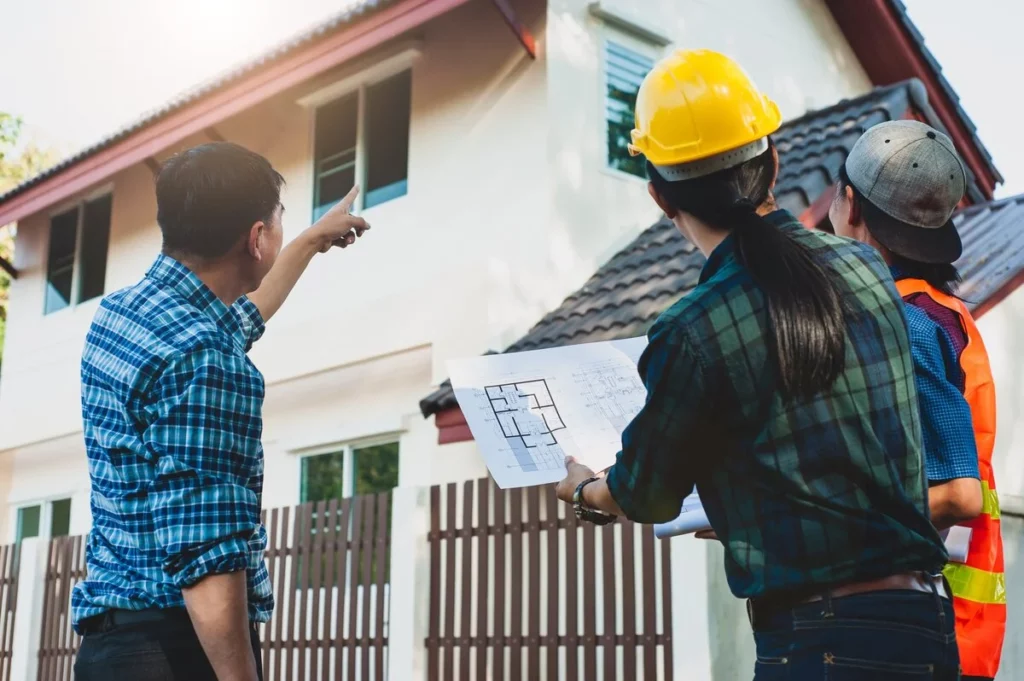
point(162, 650)
point(878, 636)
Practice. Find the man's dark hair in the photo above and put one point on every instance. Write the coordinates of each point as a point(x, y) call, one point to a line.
point(943, 276)
point(209, 196)
point(808, 334)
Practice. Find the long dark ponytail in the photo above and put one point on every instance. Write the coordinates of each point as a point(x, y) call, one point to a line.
point(804, 305)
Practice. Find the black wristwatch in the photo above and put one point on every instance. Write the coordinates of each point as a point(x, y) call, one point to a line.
point(584, 512)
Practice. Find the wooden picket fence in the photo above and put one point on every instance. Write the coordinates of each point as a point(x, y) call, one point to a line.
point(330, 576)
point(328, 565)
point(519, 589)
point(65, 567)
point(8, 603)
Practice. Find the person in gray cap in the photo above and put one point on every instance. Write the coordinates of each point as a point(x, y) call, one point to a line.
point(898, 190)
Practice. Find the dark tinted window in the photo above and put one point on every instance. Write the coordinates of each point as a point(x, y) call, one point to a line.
point(375, 469)
point(60, 521)
point(322, 477)
point(60, 261)
point(388, 105)
point(337, 125)
point(95, 241)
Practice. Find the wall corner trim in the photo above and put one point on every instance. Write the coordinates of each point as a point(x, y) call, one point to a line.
point(617, 17)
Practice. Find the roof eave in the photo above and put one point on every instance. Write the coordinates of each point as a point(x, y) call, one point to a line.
point(871, 24)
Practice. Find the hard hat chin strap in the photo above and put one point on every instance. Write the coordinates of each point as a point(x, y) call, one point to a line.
point(712, 164)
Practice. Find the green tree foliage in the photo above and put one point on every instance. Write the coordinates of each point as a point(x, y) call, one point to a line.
point(17, 164)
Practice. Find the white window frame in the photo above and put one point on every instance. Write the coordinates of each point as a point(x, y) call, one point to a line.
point(630, 41)
point(45, 515)
point(79, 204)
point(348, 458)
point(358, 79)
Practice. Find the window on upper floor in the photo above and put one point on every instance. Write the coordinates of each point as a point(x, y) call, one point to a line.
point(48, 519)
point(624, 71)
point(363, 137)
point(76, 263)
point(349, 471)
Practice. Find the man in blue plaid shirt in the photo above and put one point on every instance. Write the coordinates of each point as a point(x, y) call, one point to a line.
point(172, 407)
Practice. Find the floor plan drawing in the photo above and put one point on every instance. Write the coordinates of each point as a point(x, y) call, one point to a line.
point(529, 410)
point(529, 419)
point(613, 390)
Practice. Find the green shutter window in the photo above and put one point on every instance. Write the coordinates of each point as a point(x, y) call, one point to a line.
point(625, 70)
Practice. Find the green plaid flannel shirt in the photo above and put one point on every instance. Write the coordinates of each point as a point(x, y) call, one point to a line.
point(814, 492)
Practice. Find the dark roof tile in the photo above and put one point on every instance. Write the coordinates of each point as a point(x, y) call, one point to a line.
point(993, 236)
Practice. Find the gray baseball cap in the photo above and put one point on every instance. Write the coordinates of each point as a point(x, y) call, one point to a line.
point(913, 175)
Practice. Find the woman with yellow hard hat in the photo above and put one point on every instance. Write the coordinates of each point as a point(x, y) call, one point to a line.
point(782, 386)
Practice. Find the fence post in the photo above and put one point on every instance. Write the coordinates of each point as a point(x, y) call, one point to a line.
point(410, 583)
point(691, 639)
point(33, 556)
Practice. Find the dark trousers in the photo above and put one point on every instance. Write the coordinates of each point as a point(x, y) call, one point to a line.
point(877, 636)
point(162, 647)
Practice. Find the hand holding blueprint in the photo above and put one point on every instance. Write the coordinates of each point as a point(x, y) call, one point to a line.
point(529, 410)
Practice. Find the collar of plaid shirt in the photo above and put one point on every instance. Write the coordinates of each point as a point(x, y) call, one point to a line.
point(810, 493)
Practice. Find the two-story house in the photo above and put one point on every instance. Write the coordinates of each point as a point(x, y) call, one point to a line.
point(495, 176)
point(489, 139)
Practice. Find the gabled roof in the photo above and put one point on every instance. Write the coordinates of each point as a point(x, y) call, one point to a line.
point(357, 11)
point(891, 49)
point(945, 87)
point(360, 29)
point(627, 293)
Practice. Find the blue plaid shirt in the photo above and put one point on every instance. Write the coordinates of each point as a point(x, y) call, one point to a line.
point(171, 407)
point(950, 450)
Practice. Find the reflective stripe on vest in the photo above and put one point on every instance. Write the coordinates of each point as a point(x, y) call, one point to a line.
point(989, 501)
point(976, 585)
point(979, 586)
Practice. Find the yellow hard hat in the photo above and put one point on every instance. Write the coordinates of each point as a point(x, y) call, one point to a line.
point(698, 112)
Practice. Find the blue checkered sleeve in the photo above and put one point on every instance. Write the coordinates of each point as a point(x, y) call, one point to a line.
point(950, 448)
point(250, 321)
point(204, 441)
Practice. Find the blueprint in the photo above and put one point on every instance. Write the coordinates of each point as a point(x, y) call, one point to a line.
point(529, 410)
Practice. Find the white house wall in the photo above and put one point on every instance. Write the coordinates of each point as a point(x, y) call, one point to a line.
point(1000, 329)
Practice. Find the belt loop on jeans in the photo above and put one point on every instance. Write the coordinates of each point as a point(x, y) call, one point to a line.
point(932, 579)
point(826, 599)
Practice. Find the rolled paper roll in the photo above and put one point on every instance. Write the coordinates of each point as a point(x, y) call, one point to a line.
point(691, 518)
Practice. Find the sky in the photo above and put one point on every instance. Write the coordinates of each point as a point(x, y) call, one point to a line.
point(77, 70)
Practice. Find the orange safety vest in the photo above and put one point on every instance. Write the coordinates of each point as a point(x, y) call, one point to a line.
point(979, 585)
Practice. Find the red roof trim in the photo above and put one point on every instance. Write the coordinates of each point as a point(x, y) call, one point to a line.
point(234, 99)
point(452, 434)
point(889, 54)
point(450, 417)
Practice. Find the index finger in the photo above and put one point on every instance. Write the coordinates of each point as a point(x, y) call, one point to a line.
point(350, 198)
